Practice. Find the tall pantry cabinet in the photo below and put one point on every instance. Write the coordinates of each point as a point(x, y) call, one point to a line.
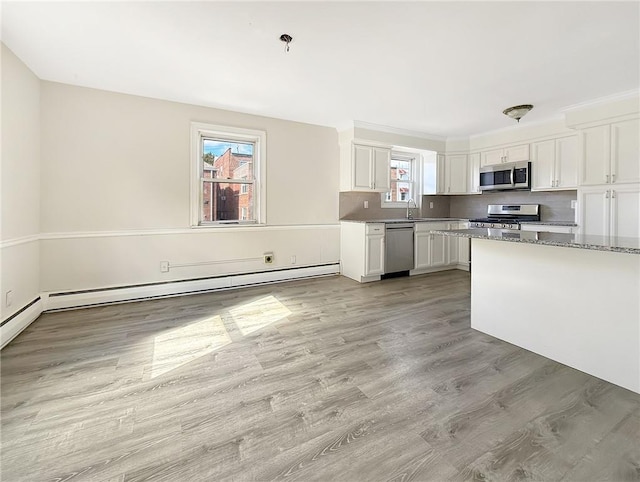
point(609, 179)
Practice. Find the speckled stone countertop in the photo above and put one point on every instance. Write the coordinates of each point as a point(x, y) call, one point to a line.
point(402, 220)
point(551, 223)
point(598, 243)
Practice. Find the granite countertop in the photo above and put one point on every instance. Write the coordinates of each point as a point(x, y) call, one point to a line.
point(402, 220)
point(598, 243)
point(551, 223)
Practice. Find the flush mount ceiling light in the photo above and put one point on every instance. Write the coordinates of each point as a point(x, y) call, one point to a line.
point(517, 112)
point(286, 38)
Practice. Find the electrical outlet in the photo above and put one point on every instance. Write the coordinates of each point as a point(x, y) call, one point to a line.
point(268, 258)
point(293, 260)
point(573, 203)
point(164, 266)
point(366, 204)
point(8, 298)
point(431, 205)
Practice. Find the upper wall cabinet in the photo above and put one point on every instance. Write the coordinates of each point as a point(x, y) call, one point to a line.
point(555, 164)
point(473, 182)
point(507, 154)
point(366, 168)
point(610, 154)
point(455, 174)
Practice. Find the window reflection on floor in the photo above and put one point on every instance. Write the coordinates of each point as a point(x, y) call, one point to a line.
point(183, 345)
point(253, 316)
point(178, 347)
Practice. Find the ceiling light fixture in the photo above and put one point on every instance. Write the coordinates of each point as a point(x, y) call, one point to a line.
point(517, 112)
point(286, 38)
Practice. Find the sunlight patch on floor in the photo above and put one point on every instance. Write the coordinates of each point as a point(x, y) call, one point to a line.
point(178, 347)
point(253, 316)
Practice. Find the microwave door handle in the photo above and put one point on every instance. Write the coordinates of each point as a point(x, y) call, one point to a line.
point(513, 176)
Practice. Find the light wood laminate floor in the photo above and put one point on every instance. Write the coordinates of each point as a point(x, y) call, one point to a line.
point(321, 379)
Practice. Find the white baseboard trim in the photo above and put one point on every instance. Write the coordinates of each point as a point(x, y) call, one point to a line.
point(15, 324)
point(86, 298)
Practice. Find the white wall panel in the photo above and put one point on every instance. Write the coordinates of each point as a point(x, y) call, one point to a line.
point(77, 262)
point(20, 193)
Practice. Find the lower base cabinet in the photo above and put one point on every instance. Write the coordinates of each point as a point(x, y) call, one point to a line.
point(430, 250)
point(434, 251)
point(362, 249)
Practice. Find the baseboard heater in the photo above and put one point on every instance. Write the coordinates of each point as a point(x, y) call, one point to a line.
point(125, 294)
point(13, 325)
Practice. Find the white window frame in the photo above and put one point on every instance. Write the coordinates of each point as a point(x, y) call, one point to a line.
point(201, 130)
point(416, 163)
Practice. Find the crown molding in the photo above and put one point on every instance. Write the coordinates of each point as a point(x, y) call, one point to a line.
point(629, 94)
point(398, 131)
point(546, 120)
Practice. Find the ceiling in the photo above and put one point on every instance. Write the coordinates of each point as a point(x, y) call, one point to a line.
point(440, 68)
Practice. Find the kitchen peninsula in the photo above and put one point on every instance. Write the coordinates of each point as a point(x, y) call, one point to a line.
point(571, 298)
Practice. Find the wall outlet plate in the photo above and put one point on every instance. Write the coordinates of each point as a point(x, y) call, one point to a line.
point(8, 298)
point(164, 266)
point(574, 203)
point(268, 258)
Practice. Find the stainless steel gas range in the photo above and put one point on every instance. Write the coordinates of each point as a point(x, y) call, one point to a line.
point(507, 216)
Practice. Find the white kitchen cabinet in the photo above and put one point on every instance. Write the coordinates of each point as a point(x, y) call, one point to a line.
point(548, 228)
point(610, 154)
point(609, 210)
point(366, 168)
point(555, 164)
point(473, 184)
point(625, 152)
point(506, 154)
point(456, 173)
point(441, 184)
point(374, 251)
point(362, 250)
point(464, 247)
point(430, 250)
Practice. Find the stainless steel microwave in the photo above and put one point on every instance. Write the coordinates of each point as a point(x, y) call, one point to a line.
point(513, 175)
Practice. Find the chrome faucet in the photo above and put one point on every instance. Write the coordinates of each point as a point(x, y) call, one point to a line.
point(409, 208)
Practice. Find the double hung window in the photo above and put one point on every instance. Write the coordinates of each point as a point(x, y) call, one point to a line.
point(403, 180)
point(227, 185)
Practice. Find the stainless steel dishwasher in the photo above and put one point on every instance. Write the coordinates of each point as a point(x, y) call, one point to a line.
point(398, 251)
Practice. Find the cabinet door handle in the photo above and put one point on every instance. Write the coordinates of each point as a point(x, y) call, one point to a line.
point(607, 178)
point(613, 194)
point(613, 178)
point(606, 194)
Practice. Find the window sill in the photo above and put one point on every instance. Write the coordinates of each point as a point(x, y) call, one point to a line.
point(233, 224)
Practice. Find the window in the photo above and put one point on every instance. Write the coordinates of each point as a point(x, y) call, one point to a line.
point(228, 175)
point(403, 180)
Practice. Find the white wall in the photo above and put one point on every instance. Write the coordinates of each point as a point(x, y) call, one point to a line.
point(115, 191)
point(20, 173)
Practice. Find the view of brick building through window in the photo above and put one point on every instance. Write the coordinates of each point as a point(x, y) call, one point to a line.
point(227, 201)
point(401, 181)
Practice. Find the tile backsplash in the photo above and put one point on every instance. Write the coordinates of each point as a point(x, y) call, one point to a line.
point(554, 205)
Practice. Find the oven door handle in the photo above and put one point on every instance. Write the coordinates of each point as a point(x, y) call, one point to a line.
point(513, 176)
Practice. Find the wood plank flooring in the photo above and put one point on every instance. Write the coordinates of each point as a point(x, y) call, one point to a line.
point(321, 379)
